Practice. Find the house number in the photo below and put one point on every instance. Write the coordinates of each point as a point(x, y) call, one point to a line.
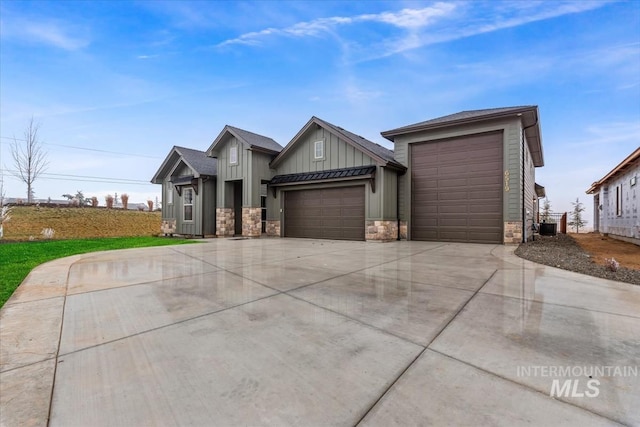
point(506, 181)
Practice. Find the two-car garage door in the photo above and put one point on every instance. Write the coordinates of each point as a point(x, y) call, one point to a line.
point(456, 190)
point(329, 213)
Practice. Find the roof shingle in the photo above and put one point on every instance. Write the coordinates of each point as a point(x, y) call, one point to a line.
point(199, 161)
point(255, 140)
point(468, 115)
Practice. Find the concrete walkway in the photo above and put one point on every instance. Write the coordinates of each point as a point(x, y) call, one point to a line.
point(308, 332)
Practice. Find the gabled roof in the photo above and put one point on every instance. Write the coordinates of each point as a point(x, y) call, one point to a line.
point(252, 140)
point(380, 154)
point(528, 113)
point(620, 168)
point(197, 160)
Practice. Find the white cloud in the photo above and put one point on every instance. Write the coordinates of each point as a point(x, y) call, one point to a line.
point(437, 23)
point(411, 18)
point(57, 34)
point(405, 18)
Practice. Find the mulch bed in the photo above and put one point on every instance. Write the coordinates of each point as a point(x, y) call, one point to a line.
point(562, 251)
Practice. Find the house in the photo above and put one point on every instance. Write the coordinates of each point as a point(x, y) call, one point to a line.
point(466, 177)
point(616, 201)
point(471, 175)
point(188, 179)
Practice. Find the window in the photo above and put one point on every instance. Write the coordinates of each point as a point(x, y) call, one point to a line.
point(318, 152)
point(169, 194)
point(233, 155)
point(187, 203)
point(619, 200)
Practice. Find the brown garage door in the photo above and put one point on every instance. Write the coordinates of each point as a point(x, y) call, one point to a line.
point(332, 213)
point(457, 189)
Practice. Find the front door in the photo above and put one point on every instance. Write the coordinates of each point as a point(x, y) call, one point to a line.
point(237, 207)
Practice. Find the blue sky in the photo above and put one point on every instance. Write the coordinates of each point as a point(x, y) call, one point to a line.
point(140, 77)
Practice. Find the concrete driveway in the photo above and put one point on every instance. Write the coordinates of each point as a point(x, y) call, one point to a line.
point(309, 332)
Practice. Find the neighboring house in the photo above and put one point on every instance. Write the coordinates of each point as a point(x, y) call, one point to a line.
point(471, 175)
point(467, 177)
point(616, 201)
point(188, 179)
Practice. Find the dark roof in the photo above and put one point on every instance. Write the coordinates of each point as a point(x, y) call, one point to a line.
point(253, 140)
point(333, 174)
point(463, 116)
point(199, 161)
point(528, 115)
point(376, 151)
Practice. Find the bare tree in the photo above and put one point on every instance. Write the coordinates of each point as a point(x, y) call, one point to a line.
point(28, 157)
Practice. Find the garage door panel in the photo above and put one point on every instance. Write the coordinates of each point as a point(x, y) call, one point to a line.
point(333, 213)
point(457, 187)
point(452, 195)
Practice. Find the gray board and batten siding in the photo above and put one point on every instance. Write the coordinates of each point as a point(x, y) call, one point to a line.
point(251, 167)
point(299, 157)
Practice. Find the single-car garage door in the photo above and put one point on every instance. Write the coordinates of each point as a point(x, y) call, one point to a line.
point(331, 213)
point(457, 189)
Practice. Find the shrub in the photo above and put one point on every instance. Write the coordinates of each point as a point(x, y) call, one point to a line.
point(4, 217)
point(94, 202)
point(611, 264)
point(125, 200)
point(47, 233)
point(150, 204)
point(109, 200)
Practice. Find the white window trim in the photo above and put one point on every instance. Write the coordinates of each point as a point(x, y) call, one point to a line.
point(187, 204)
point(233, 152)
point(317, 144)
point(169, 194)
point(619, 200)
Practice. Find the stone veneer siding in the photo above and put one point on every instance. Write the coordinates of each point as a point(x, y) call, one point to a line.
point(512, 232)
point(383, 231)
point(273, 228)
point(168, 226)
point(403, 230)
point(251, 222)
point(225, 222)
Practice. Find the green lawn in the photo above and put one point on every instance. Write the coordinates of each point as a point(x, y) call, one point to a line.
point(18, 259)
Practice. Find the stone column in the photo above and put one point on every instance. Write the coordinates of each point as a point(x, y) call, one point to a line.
point(403, 230)
point(512, 232)
point(251, 222)
point(273, 228)
point(225, 222)
point(381, 231)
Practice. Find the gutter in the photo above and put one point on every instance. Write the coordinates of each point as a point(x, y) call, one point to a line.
point(524, 209)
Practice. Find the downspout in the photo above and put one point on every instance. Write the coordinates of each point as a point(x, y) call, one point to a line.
point(398, 204)
point(524, 208)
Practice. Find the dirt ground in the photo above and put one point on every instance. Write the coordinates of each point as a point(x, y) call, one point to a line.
point(601, 247)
